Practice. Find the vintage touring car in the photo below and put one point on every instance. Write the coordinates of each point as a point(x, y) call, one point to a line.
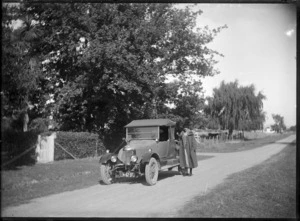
point(150, 147)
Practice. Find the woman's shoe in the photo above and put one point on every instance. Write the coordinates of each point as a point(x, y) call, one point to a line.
point(184, 173)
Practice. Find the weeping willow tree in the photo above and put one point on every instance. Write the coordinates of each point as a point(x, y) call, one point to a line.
point(235, 107)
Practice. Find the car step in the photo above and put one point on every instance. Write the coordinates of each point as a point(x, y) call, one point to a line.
point(170, 163)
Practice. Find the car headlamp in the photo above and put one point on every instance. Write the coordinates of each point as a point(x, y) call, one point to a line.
point(113, 159)
point(127, 147)
point(133, 158)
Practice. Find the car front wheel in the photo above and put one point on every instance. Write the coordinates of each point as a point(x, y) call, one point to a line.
point(151, 171)
point(105, 174)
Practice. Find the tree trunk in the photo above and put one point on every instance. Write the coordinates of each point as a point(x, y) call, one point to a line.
point(154, 113)
point(25, 121)
point(24, 115)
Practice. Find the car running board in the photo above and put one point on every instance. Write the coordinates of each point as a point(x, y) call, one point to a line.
point(170, 163)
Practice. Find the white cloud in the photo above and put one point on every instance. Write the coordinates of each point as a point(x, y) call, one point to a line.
point(290, 32)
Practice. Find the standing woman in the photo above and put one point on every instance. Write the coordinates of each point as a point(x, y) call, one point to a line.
point(191, 146)
point(187, 152)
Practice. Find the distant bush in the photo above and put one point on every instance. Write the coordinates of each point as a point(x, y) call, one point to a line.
point(39, 125)
point(79, 144)
point(293, 128)
point(251, 135)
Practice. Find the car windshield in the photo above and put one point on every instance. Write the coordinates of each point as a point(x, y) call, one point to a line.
point(142, 133)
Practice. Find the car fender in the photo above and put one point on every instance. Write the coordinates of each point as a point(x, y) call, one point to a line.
point(104, 158)
point(146, 157)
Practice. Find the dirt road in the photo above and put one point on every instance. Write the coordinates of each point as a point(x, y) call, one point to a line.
point(135, 199)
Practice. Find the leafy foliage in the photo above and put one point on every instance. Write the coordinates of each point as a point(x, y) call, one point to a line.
point(293, 128)
point(21, 57)
point(236, 107)
point(279, 125)
point(188, 102)
point(39, 125)
point(103, 65)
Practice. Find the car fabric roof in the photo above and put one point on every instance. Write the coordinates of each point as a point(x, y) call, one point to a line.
point(151, 122)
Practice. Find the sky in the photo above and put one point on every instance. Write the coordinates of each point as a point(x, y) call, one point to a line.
point(259, 48)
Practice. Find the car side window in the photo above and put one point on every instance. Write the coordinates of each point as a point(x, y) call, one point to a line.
point(163, 134)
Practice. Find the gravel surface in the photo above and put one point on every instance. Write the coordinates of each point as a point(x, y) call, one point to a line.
point(133, 198)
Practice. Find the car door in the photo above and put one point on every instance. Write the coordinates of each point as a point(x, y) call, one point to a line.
point(163, 142)
point(171, 144)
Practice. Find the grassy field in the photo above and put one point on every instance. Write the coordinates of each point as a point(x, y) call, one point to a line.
point(28, 182)
point(211, 146)
point(267, 190)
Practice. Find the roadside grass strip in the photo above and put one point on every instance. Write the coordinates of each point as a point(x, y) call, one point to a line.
point(29, 182)
point(211, 146)
point(267, 190)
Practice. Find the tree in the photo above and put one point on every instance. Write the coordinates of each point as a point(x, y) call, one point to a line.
point(236, 107)
point(187, 100)
point(20, 58)
point(293, 128)
point(279, 125)
point(105, 64)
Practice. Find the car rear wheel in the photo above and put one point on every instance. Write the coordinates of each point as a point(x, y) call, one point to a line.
point(105, 173)
point(151, 171)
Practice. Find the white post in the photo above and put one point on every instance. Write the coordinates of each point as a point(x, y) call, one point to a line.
point(38, 148)
point(51, 147)
point(45, 148)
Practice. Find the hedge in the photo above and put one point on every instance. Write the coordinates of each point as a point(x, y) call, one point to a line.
point(79, 144)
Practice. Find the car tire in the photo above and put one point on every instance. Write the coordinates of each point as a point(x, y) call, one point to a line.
point(151, 171)
point(105, 174)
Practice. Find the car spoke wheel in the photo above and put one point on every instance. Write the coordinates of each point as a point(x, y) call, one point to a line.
point(106, 174)
point(151, 172)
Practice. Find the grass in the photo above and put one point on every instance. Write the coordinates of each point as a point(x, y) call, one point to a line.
point(267, 190)
point(211, 146)
point(28, 182)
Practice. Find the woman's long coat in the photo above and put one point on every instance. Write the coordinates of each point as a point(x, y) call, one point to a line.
point(187, 151)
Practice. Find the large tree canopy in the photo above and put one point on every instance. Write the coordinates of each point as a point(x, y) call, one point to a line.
point(236, 107)
point(103, 65)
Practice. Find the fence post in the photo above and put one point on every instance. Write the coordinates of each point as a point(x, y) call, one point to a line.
point(38, 148)
point(45, 148)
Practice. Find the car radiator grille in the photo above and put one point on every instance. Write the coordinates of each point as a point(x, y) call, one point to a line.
point(128, 155)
